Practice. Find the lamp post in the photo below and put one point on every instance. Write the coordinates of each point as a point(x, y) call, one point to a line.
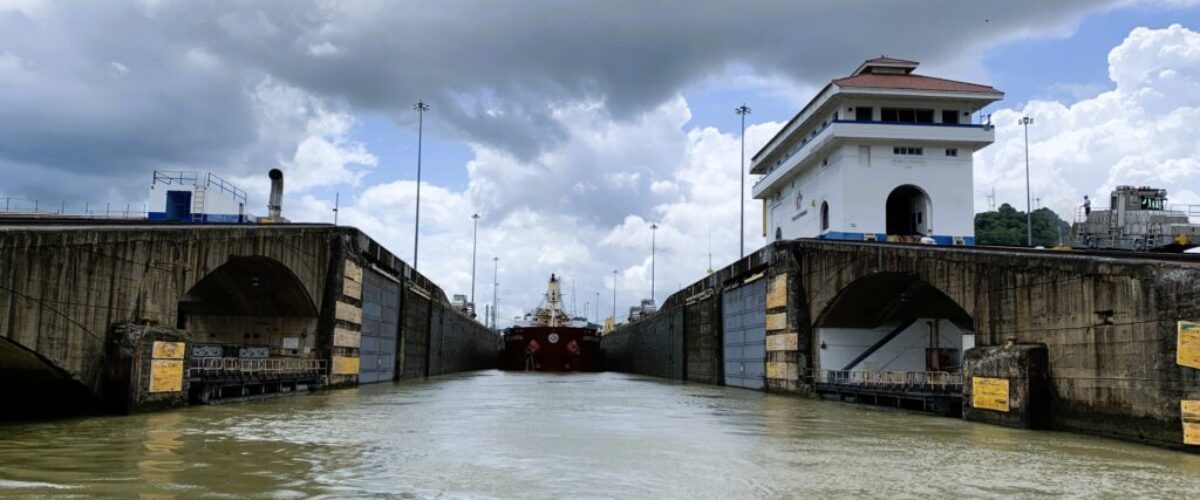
point(495, 287)
point(653, 235)
point(421, 108)
point(614, 316)
point(742, 111)
point(1025, 122)
point(474, 251)
point(597, 307)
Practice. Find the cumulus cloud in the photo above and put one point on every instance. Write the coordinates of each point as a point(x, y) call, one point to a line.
point(537, 223)
point(1140, 132)
point(163, 84)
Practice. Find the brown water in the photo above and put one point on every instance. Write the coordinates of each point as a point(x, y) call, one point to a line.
point(516, 435)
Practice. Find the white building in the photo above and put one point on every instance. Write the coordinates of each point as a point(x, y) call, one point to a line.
point(881, 154)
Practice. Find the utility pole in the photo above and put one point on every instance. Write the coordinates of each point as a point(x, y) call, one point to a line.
point(421, 108)
point(653, 235)
point(474, 250)
point(742, 111)
point(337, 198)
point(1026, 121)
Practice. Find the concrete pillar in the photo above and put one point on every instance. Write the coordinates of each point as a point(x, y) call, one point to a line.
point(1007, 385)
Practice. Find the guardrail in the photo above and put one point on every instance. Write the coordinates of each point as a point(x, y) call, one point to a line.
point(214, 367)
point(901, 381)
point(196, 178)
point(34, 207)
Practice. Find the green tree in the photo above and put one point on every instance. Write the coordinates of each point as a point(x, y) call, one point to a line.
point(1006, 226)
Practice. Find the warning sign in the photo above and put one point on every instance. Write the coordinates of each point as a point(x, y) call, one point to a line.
point(345, 365)
point(1187, 352)
point(166, 375)
point(990, 393)
point(168, 350)
point(1190, 411)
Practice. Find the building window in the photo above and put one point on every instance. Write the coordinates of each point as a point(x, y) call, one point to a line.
point(907, 151)
point(824, 215)
point(950, 116)
point(906, 115)
point(778, 234)
point(863, 114)
point(951, 152)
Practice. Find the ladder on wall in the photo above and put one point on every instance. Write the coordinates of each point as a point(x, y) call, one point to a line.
point(198, 203)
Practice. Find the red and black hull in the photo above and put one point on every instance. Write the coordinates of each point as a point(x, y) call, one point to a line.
point(551, 349)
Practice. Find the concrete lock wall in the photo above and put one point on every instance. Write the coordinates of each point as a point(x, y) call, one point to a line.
point(1111, 327)
point(292, 291)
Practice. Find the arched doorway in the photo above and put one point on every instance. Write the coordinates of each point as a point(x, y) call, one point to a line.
point(251, 301)
point(909, 212)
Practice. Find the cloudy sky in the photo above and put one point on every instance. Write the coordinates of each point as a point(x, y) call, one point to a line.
point(568, 126)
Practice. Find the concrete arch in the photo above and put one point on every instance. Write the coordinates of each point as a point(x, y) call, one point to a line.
point(250, 286)
point(891, 321)
point(877, 297)
point(27, 378)
point(253, 300)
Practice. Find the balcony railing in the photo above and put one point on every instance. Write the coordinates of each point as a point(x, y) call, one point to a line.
point(807, 142)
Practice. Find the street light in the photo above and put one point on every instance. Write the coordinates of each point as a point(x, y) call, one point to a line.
point(614, 316)
point(474, 250)
point(495, 287)
point(653, 234)
point(1025, 121)
point(742, 111)
point(421, 108)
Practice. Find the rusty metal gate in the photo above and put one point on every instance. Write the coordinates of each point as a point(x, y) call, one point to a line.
point(744, 316)
point(380, 325)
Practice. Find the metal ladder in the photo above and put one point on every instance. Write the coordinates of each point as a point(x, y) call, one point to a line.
point(198, 204)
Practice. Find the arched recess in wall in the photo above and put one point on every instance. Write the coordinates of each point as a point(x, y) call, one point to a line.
point(824, 216)
point(32, 386)
point(251, 301)
point(892, 322)
point(909, 211)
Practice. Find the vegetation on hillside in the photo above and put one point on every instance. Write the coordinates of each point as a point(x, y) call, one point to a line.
point(1006, 226)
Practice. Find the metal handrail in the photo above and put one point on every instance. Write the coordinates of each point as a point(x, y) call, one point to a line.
point(255, 366)
point(886, 379)
point(183, 177)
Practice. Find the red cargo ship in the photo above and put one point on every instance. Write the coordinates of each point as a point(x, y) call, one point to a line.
point(547, 340)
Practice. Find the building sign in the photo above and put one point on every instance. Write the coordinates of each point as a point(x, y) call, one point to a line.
point(1190, 411)
point(800, 210)
point(1187, 352)
point(990, 393)
point(166, 366)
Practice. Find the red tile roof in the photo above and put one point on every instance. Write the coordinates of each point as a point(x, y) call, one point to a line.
point(910, 82)
point(889, 60)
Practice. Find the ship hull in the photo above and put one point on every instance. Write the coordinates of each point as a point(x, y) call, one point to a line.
point(551, 349)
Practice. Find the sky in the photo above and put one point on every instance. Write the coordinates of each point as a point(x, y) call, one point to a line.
point(569, 127)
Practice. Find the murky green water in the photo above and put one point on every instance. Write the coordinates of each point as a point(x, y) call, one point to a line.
point(516, 435)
